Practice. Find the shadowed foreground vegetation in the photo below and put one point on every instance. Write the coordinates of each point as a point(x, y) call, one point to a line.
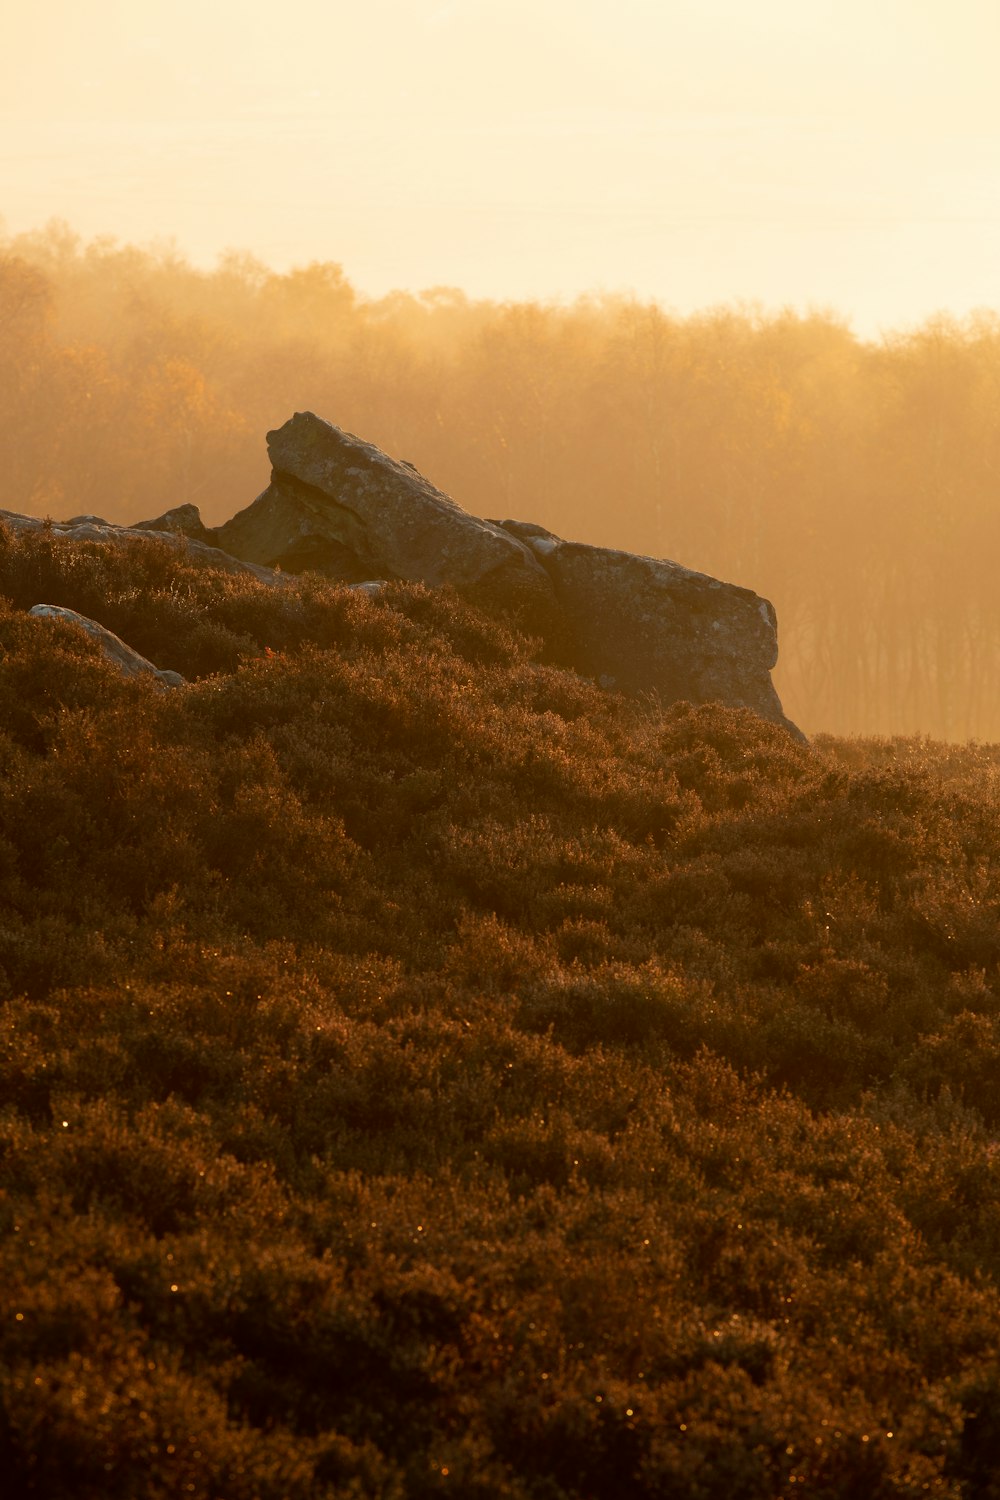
point(424, 1074)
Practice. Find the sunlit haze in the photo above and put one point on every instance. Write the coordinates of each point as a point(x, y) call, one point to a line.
point(837, 155)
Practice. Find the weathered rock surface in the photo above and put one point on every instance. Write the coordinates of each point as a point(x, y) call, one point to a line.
point(342, 507)
point(642, 624)
point(128, 662)
point(185, 519)
point(95, 529)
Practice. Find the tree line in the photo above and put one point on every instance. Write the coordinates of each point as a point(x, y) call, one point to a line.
point(854, 483)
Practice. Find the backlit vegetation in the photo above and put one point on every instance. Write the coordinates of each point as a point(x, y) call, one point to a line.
point(423, 1074)
point(855, 484)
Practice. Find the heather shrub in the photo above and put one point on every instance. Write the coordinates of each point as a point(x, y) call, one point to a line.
point(424, 1073)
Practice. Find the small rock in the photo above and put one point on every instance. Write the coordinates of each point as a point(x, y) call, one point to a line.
point(129, 662)
point(184, 520)
point(93, 529)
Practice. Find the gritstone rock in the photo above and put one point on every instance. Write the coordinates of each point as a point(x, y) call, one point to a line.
point(183, 519)
point(129, 662)
point(641, 624)
point(340, 506)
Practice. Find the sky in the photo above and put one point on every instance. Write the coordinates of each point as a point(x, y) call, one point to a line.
point(842, 155)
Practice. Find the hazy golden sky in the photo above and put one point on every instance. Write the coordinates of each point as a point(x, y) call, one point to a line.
point(844, 153)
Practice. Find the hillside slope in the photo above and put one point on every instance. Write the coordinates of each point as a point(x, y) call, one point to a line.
point(425, 1074)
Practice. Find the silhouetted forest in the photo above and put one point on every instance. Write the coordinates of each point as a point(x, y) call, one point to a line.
point(424, 1074)
point(856, 484)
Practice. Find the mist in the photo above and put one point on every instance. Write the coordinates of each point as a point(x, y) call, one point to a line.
point(853, 482)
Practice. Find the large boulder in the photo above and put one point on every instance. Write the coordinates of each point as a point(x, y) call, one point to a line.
point(128, 661)
point(342, 507)
point(645, 625)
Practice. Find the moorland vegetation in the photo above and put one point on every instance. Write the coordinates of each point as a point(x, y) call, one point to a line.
point(425, 1074)
point(852, 482)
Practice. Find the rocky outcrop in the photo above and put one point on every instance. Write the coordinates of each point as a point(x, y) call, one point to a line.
point(128, 662)
point(645, 625)
point(342, 507)
point(636, 624)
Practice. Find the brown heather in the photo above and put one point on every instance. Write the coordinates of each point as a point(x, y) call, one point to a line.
point(425, 1075)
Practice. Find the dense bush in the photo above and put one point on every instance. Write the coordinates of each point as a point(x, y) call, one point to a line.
point(425, 1074)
